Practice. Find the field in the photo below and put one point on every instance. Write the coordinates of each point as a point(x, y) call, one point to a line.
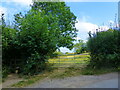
point(67, 60)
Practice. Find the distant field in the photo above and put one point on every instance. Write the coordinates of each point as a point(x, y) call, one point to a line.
point(66, 60)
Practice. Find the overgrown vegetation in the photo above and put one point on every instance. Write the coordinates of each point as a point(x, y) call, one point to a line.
point(73, 70)
point(36, 36)
point(80, 47)
point(56, 54)
point(104, 49)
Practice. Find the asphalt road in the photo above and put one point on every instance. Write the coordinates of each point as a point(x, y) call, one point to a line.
point(90, 81)
point(112, 83)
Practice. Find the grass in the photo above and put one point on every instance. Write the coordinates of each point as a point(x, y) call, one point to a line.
point(91, 71)
point(62, 73)
point(72, 56)
point(66, 72)
point(75, 71)
point(28, 80)
point(71, 67)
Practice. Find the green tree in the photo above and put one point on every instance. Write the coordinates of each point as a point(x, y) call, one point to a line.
point(8, 47)
point(3, 21)
point(80, 47)
point(66, 20)
point(41, 32)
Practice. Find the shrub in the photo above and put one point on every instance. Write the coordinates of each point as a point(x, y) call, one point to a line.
point(56, 54)
point(105, 49)
point(80, 47)
point(34, 64)
point(5, 71)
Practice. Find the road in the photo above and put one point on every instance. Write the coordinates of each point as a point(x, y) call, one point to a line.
point(90, 81)
point(112, 83)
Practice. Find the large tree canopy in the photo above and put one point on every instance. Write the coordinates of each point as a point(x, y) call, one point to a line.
point(37, 34)
point(66, 20)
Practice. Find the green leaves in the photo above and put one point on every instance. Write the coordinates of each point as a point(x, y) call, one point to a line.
point(105, 48)
point(64, 18)
point(37, 34)
point(80, 47)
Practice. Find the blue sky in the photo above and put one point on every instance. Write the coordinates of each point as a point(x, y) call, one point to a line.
point(90, 15)
point(97, 12)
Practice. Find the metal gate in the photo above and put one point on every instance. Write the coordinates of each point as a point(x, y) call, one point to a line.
point(70, 59)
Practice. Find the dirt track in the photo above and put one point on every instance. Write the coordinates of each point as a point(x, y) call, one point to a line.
point(11, 79)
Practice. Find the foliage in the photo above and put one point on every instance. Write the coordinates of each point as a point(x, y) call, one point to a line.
point(8, 46)
point(36, 35)
point(66, 21)
point(56, 54)
point(66, 53)
point(80, 47)
point(105, 49)
point(5, 72)
point(34, 63)
point(59, 53)
point(96, 71)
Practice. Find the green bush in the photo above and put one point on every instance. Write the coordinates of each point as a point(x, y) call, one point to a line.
point(56, 54)
point(5, 71)
point(81, 50)
point(34, 64)
point(80, 47)
point(105, 49)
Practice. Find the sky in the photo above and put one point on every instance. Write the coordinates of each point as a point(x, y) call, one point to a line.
point(90, 15)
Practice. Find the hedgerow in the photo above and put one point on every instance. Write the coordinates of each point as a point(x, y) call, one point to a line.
point(104, 49)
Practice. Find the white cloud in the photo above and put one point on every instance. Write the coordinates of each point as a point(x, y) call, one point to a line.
point(81, 0)
point(26, 2)
point(113, 24)
point(104, 28)
point(110, 21)
point(2, 10)
point(85, 26)
point(17, 6)
point(91, 0)
point(77, 38)
point(23, 2)
point(64, 50)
